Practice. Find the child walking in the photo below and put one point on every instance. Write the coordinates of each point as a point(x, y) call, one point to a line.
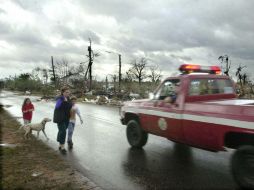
point(72, 121)
point(27, 110)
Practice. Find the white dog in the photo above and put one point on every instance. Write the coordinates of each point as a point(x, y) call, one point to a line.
point(36, 127)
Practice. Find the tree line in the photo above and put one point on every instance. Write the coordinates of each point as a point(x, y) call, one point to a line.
point(41, 79)
point(142, 77)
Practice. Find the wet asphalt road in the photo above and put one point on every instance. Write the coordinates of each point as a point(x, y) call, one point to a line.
point(101, 152)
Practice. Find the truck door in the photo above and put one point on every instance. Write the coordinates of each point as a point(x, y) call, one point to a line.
point(166, 120)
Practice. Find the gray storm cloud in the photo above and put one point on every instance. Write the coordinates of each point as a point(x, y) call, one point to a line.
point(167, 32)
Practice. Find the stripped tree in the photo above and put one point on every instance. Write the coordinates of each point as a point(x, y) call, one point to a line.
point(155, 74)
point(241, 78)
point(224, 59)
point(138, 69)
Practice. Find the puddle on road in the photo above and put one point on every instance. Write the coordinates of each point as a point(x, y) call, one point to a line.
point(5, 106)
point(37, 174)
point(9, 145)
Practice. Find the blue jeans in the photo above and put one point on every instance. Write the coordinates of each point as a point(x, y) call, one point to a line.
point(61, 135)
point(70, 131)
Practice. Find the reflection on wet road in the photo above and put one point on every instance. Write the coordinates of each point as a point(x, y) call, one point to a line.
point(102, 153)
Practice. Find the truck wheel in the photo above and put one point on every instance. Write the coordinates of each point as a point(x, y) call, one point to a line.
point(242, 165)
point(136, 136)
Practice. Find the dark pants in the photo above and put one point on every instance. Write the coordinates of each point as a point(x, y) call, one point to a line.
point(61, 135)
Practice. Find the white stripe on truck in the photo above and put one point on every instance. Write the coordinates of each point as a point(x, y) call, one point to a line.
point(191, 117)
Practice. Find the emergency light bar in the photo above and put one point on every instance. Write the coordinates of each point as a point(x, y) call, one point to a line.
point(190, 68)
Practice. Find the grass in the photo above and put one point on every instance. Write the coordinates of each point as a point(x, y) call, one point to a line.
point(30, 164)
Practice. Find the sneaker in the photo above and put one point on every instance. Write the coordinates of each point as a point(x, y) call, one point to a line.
point(63, 151)
point(70, 142)
point(70, 145)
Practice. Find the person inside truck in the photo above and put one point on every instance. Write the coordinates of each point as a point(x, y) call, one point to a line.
point(203, 87)
point(171, 98)
point(168, 91)
point(213, 88)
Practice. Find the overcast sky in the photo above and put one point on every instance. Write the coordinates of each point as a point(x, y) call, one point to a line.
point(167, 32)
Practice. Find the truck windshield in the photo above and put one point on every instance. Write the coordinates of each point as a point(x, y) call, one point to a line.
point(210, 86)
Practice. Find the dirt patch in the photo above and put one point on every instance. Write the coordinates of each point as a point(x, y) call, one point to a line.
point(30, 164)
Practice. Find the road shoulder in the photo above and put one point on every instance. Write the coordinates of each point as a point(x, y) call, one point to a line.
point(31, 164)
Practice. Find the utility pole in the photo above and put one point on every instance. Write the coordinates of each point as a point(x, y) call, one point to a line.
point(114, 79)
point(120, 67)
point(90, 64)
point(120, 74)
point(106, 84)
point(53, 69)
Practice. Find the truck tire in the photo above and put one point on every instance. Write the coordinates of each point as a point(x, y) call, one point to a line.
point(136, 136)
point(242, 165)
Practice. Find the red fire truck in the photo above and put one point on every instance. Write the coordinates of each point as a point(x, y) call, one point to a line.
point(201, 110)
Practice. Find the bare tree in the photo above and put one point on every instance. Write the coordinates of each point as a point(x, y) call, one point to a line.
point(225, 60)
point(80, 69)
point(45, 75)
point(138, 69)
point(129, 77)
point(40, 73)
point(241, 78)
point(155, 74)
point(62, 67)
point(114, 77)
point(245, 78)
point(35, 73)
point(239, 73)
point(251, 88)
